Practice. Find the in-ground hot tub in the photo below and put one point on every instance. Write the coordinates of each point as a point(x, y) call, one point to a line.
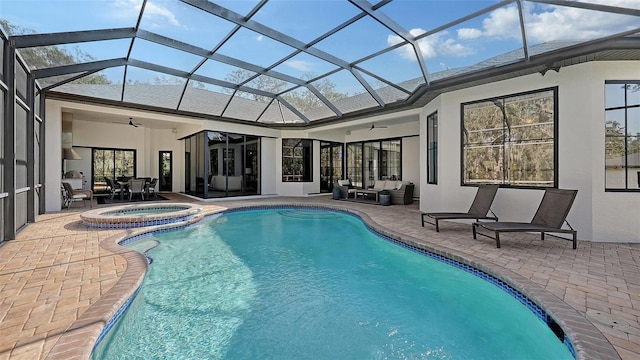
point(139, 215)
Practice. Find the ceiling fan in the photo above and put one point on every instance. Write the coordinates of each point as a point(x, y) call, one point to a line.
point(134, 124)
point(373, 126)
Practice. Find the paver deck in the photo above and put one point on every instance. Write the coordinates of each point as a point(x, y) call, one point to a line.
point(55, 270)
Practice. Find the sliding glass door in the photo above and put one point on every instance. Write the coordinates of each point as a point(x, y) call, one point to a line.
point(222, 164)
point(111, 163)
point(374, 160)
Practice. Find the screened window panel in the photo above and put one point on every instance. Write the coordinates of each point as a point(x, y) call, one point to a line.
point(187, 24)
point(203, 98)
point(567, 32)
point(36, 150)
point(152, 88)
point(21, 147)
point(277, 113)
point(2, 162)
point(221, 71)
point(388, 93)
point(365, 30)
point(246, 106)
point(2, 58)
point(105, 84)
point(438, 14)
point(21, 81)
point(264, 50)
point(305, 66)
point(68, 54)
point(397, 66)
point(305, 20)
point(153, 53)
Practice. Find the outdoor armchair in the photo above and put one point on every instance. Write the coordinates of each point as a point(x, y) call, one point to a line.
point(77, 194)
point(136, 186)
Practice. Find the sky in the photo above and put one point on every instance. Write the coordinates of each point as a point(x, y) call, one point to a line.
point(470, 42)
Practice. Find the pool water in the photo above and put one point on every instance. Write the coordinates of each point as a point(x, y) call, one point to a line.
point(301, 284)
point(142, 211)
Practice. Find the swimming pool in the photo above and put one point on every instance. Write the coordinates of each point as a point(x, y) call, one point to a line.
point(298, 283)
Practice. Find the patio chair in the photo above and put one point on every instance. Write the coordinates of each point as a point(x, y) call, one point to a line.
point(77, 194)
point(479, 209)
point(114, 188)
point(136, 186)
point(549, 218)
point(151, 188)
point(346, 188)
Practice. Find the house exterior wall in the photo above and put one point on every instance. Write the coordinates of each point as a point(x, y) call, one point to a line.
point(596, 214)
point(53, 151)
point(411, 162)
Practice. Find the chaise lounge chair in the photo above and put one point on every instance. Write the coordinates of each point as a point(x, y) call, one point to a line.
point(551, 215)
point(479, 209)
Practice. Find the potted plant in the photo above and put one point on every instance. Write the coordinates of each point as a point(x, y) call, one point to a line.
point(336, 192)
point(384, 197)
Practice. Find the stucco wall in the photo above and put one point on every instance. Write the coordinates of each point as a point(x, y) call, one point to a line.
point(597, 215)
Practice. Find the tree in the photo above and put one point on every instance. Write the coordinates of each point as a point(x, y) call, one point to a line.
point(51, 56)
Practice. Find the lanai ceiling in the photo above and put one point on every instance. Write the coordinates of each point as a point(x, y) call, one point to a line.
point(306, 62)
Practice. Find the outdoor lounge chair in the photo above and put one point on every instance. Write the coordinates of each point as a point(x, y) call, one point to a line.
point(479, 209)
point(551, 215)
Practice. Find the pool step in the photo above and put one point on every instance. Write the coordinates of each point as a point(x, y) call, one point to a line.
point(143, 245)
point(308, 214)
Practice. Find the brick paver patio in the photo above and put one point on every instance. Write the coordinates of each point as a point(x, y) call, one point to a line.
point(56, 270)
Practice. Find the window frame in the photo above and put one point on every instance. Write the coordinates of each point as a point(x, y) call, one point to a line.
point(504, 181)
point(358, 179)
point(306, 163)
point(94, 180)
point(432, 151)
point(626, 136)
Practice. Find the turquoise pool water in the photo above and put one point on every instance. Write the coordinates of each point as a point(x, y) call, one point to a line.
point(142, 211)
point(305, 284)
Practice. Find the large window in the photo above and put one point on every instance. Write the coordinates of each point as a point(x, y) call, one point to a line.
point(297, 160)
point(622, 135)
point(432, 148)
point(511, 140)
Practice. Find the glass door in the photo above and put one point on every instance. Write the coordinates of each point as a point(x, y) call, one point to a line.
point(166, 171)
point(330, 165)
